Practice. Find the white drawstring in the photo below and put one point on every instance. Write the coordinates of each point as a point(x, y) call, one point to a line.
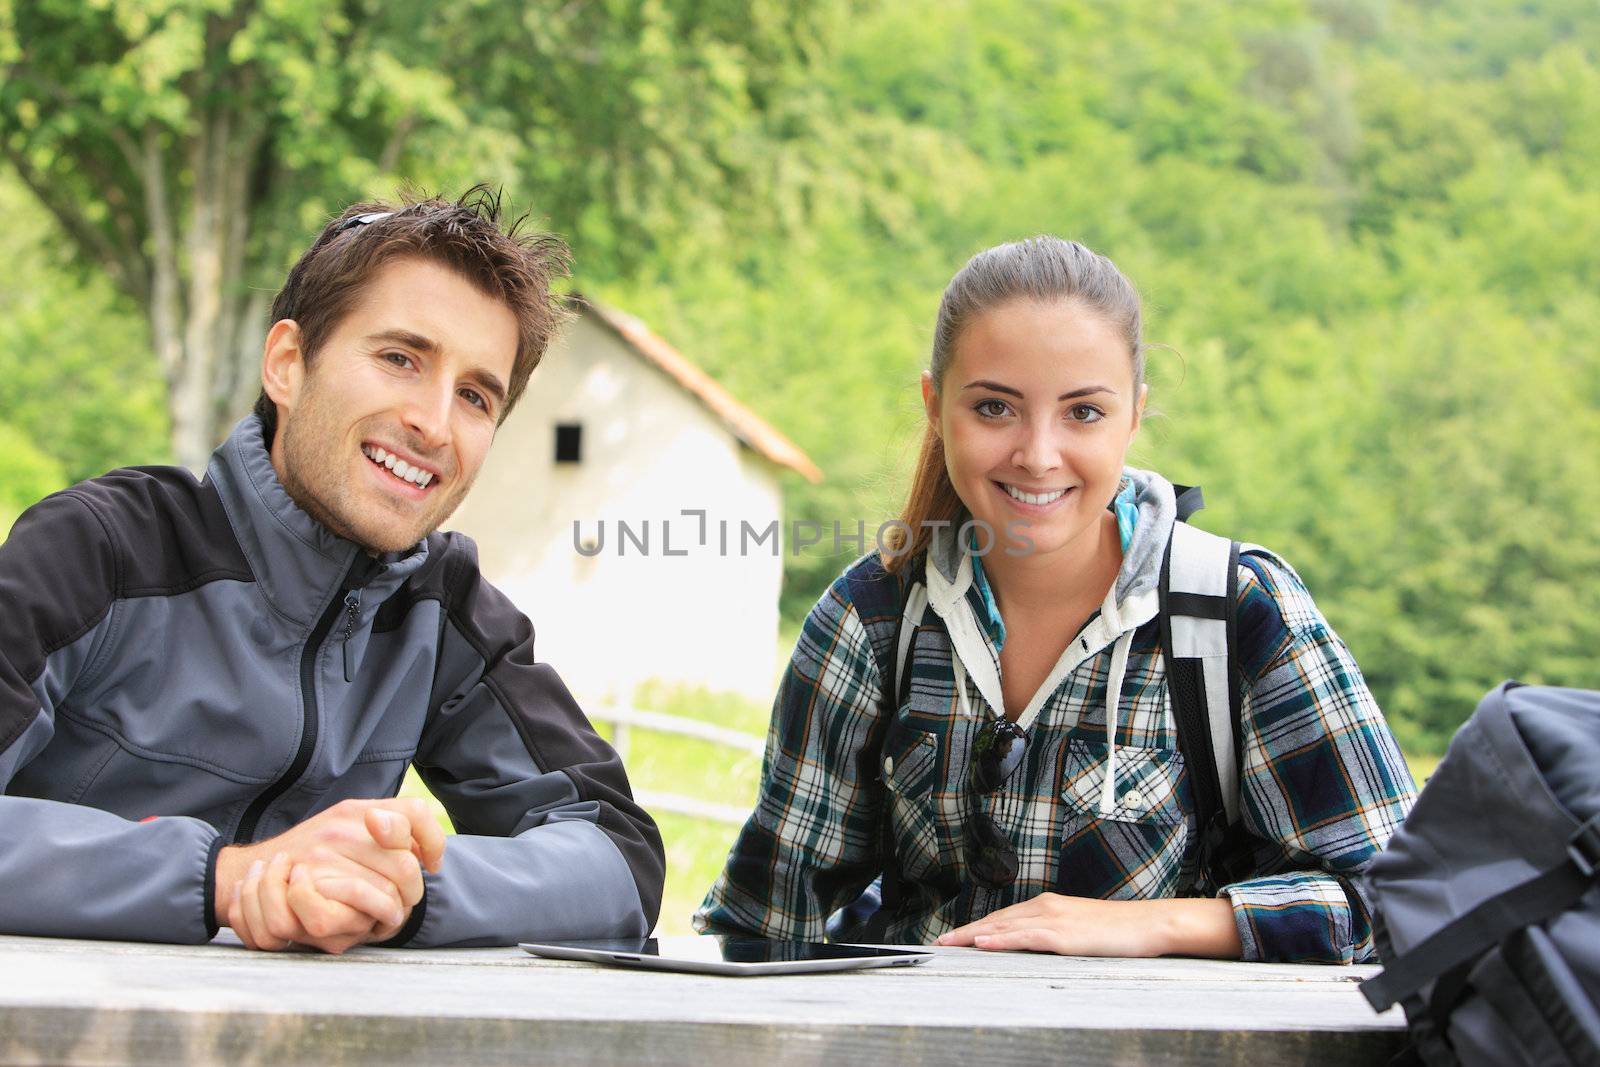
point(1119, 667)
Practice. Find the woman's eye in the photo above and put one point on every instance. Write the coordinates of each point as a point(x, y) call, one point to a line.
point(1086, 413)
point(990, 409)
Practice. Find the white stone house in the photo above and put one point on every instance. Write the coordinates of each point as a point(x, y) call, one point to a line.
point(579, 516)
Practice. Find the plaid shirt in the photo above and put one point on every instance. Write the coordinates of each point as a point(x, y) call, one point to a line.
point(1323, 783)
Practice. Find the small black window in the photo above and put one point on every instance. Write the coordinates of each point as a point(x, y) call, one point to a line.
point(569, 443)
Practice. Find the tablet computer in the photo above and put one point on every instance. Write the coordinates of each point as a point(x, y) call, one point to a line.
point(727, 955)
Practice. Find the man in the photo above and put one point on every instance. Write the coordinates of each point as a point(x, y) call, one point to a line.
point(211, 690)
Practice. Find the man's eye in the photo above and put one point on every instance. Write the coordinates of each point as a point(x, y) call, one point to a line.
point(1086, 413)
point(990, 409)
point(475, 398)
point(399, 359)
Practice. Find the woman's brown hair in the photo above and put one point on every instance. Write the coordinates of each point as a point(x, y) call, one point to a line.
point(1040, 268)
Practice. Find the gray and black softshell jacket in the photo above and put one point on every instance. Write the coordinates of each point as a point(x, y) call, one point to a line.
point(187, 664)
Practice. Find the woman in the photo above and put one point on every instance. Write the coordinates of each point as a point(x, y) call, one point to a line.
point(1047, 638)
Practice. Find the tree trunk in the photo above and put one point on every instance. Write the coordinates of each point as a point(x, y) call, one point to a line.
point(189, 397)
point(164, 313)
point(244, 358)
point(205, 323)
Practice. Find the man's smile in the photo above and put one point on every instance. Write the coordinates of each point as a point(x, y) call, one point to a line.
point(404, 475)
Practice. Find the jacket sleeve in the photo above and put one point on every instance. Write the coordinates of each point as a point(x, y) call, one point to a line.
point(550, 843)
point(813, 842)
point(67, 870)
point(1323, 783)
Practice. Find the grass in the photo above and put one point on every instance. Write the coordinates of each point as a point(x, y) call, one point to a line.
point(688, 767)
point(1422, 766)
point(664, 763)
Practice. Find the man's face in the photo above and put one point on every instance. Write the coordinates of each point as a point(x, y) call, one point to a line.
point(411, 382)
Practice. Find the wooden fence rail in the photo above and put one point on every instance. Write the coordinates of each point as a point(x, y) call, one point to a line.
point(624, 720)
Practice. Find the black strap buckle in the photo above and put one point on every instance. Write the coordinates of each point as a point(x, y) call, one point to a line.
point(1584, 847)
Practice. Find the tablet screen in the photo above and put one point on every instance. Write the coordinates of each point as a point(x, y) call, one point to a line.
point(719, 949)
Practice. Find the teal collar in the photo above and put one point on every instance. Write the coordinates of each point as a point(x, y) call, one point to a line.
point(1127, 513)
point(993, 623)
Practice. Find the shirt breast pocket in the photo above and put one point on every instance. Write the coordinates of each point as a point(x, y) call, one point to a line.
point(1136, 848)
point(910, 767)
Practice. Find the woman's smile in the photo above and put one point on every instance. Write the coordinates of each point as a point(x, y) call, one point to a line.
point(1033, 501)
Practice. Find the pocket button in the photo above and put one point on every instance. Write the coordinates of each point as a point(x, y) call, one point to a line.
point(1133, 800)
point(888, 765)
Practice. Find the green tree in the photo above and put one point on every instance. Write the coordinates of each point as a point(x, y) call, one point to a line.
point(77, 383)
point(26, 474)
point(188, 148)
point(1366, 232)
point(1366, 235)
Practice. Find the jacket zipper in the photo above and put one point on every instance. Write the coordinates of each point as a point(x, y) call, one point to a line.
point(352, 616)
point(362, 571)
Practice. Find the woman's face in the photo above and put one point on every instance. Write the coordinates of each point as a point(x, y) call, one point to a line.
point(1036, 410)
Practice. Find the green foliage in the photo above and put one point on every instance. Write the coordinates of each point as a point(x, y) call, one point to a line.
point(629, 124)
point(190, 151)
point(77, 381)
point(1367, 231)
point(26, 475)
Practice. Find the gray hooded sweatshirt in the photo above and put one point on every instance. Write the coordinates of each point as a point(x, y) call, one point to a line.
point(188, 664)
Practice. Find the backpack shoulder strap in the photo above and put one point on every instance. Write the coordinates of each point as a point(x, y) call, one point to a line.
point(890, 606)
point(916, 607)
point(1198, 592)
point(880, 600)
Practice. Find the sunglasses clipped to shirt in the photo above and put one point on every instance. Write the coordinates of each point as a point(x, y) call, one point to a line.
point(997, 752)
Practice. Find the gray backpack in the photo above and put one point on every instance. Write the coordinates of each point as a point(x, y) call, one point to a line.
point(1488, 905)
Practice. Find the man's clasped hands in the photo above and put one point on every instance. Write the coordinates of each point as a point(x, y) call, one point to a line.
point(348, 876)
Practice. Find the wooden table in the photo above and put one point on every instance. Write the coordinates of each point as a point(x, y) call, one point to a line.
point(98, 1002)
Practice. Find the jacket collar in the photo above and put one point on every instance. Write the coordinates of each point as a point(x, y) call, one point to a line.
point(299, 564)
point(1131, 602)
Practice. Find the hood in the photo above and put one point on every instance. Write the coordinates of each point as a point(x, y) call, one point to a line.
point(1131, 600)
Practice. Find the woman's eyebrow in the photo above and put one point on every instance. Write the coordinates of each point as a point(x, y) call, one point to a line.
point(996, 387)
point(1088, 390)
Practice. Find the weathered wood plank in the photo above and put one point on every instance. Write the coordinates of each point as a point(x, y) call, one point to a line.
point(74, 1002)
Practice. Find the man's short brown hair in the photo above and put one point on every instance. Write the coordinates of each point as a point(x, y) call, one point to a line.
point(465, 235)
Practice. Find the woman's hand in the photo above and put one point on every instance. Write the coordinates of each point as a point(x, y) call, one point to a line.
point(1081, 926)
